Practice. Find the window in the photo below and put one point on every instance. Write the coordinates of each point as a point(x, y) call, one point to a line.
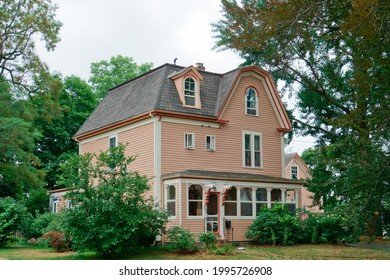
point(294, 172)
point(252, 150)
point(261, 199)
point(246, 201)
point(69, 204)
point(112, 142)
point(189, 91)
point(195, 200)
point(290, 200)
point(231, 202)
point(276, 196)
point(189, 140)
point(251, 102)
point(210, 143)
point(54, 205)
point(171, 200)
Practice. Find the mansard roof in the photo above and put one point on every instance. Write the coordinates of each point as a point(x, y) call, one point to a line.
point(155, 91)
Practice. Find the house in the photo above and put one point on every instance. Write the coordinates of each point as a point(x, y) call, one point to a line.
point(213, 143)
point(296, 169)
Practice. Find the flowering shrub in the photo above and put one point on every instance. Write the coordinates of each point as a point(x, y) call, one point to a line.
point(56, 240)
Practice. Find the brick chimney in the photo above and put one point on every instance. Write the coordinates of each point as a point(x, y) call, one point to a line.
point(200, 66)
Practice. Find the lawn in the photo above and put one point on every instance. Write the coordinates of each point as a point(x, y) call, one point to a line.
point(296, 252)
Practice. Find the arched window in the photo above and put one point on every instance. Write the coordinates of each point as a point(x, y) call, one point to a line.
point(195, 200)
point(246, 201)
point(251, 102)
point(189, 91)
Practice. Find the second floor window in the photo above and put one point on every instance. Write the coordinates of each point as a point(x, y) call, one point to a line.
point(189, 91)
point(112, 142)
point(210, 143)
point(189, 140)
point(251, 102)
point(252, 150)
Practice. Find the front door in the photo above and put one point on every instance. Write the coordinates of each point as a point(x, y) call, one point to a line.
point(212, 220)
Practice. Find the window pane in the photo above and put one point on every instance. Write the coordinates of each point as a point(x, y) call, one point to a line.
point(248, 160)
point(190, 101)
point(276, 195)
point(257, 142)
point(294, 172)
point(246, 194)
point(171, 192)
point(195, 208)
point(230, 208)
point(195, 192)
point(232, 194)
point(290, 196)
point(247, 141)
point(261, 195)
point(260, 206)
point(171, 207)
point(246, 209)
point(257, 159)
point(112, 142)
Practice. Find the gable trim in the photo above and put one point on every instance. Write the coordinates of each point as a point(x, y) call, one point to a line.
point(270, 88)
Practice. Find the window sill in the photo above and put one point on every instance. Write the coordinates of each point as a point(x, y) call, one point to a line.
point(250, 167)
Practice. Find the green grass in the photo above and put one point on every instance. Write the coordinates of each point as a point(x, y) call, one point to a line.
point(296, 252)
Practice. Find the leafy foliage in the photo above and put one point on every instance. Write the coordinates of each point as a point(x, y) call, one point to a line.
point(332, 56)
point(275, 226)
point(208, 239)
point(106, 74)
point(13, 216)
point(56, 240)
point(182, 240)
point(111, 214)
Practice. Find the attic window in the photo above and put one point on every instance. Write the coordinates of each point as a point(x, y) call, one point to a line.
point(189, 91)
point(251, 102)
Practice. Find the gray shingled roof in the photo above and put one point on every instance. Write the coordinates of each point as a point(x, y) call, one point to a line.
point(156, 91)
point(288, 158)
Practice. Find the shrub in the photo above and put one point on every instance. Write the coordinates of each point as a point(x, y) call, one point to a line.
point(182, 240)
point(113, 219)
point(208, 239)
point(56, 240)
point(39, 225)
point(275, 226)
point(13, 217)
point(226, 250)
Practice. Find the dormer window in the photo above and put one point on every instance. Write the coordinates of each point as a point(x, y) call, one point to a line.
point(251, 102)
point(189, 91)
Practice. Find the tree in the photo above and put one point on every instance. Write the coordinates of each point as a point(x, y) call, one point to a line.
point(106, 74)
point(21, 22)
point(75, 102)
point(333, 56)
point(19, 167)
point(111, 215)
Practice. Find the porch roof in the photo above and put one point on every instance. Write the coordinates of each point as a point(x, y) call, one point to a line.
point(228, 176)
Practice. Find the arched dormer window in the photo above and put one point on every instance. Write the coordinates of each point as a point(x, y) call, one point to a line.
point(251, 102)
point(189, 91)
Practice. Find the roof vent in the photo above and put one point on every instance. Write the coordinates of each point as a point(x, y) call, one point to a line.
point(200, 66)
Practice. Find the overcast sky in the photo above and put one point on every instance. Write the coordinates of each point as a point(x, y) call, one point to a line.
point(156, 31)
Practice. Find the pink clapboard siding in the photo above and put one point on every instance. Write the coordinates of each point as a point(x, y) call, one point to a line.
point(228, 154)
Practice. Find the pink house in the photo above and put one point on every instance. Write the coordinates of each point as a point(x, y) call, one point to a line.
point(211, 143)
point(296, 168)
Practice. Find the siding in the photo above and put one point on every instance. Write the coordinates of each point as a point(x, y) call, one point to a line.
point(228, 154)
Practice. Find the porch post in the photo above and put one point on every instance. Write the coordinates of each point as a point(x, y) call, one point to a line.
point(269, 189)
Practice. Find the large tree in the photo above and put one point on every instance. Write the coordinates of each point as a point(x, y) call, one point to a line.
point(334, 58)
point(106, 74)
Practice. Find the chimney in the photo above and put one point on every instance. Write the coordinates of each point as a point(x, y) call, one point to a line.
point(200, 66)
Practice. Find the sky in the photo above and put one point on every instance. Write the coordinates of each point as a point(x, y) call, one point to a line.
point(153, 31)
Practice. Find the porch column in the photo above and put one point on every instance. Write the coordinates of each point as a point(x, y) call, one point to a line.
point(269, 189)
point(283, 190)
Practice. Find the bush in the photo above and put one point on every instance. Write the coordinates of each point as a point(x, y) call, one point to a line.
point(113, 219)
point(226, 250)
point(182, 240)
point(56, 240)
point(275, 226)
point(208, 239)
point(13, 217)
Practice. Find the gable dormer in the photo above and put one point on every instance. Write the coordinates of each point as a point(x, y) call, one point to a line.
point(187, 83)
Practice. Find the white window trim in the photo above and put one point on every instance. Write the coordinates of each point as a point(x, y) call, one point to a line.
point(257, 103)
point(113, 137)
point(186, 146)
point(201, 217)
point(195, 96)
point(238, 205)
point(252, 134)
point(171, 200)
point(212, 143)
point(292, 173)
point(54, 206)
